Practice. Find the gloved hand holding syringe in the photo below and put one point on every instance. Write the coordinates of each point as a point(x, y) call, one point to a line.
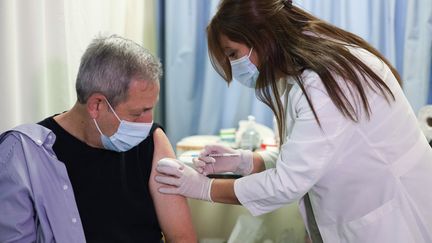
point(219, 159)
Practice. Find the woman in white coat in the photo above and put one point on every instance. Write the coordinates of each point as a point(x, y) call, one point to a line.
point(352, 151)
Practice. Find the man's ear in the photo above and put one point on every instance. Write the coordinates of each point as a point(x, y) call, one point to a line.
point(94, 104)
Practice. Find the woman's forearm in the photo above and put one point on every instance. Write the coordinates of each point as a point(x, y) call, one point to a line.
point(222, 191)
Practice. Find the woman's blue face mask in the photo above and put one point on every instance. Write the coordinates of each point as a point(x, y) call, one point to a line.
point(244, 71)
point(127, 136)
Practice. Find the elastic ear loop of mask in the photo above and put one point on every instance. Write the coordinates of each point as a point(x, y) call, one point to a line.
point(97, 126)
point(250, 52)
point(115, 114)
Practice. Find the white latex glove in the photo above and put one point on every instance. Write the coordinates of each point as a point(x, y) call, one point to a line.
point(241, 164)
point(183, 180)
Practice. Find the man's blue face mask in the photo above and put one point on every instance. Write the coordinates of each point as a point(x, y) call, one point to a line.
point(244, 71)
point(127, 136)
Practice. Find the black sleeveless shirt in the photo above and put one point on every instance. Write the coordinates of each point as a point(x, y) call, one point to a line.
point(111, 188)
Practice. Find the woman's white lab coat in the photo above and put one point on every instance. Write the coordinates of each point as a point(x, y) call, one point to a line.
point(367, 181)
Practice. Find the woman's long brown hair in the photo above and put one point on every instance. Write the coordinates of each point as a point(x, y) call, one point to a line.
point(287, 41)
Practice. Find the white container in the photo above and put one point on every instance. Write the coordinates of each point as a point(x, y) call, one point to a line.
point(250, 138)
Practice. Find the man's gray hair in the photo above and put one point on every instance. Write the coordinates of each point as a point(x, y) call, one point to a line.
point(108, 66)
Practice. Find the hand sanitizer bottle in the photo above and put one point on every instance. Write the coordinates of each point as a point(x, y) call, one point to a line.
point(250, 138)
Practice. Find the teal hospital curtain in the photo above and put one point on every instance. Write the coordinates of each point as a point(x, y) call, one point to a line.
point(198, 101)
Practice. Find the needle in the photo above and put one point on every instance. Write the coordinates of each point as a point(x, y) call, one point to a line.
point(212, 155)
point(223, 155)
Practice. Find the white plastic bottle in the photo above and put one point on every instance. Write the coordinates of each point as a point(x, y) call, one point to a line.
point(250, 138)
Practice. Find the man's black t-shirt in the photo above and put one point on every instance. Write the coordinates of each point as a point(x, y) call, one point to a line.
point(111, 188)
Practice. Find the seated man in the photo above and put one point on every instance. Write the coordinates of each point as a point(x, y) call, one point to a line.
point(105, 148)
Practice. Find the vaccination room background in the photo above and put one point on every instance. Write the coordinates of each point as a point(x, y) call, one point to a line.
point(41, 42)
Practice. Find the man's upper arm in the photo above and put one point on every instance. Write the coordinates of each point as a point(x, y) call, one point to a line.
point(16, 206)
point(172, 210)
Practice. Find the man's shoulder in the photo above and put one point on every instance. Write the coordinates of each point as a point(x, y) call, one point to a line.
point(31, 136)
point(33, 132)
